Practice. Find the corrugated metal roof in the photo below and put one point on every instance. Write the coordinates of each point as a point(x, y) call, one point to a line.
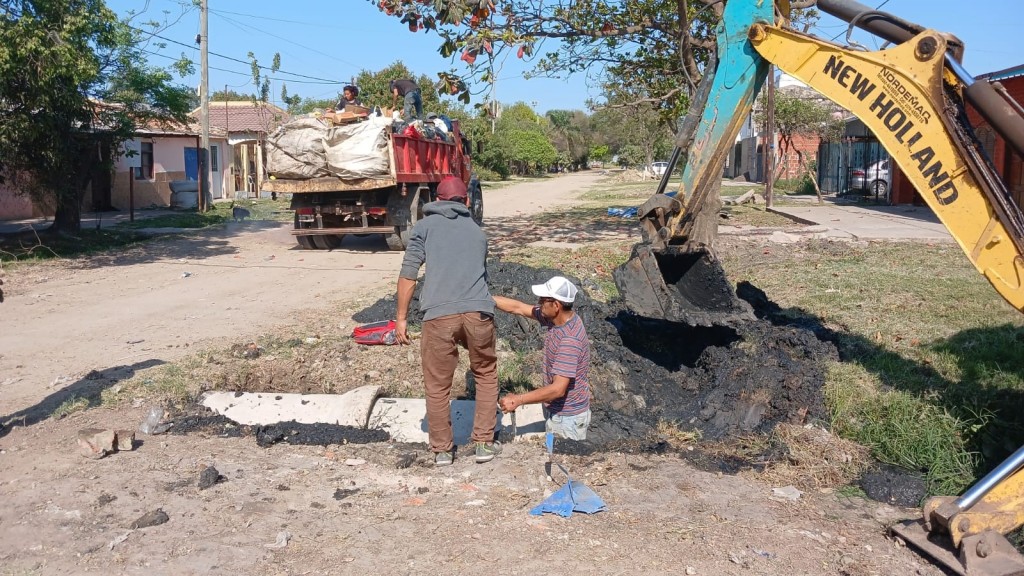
point(244, 116)
point(1004, 74)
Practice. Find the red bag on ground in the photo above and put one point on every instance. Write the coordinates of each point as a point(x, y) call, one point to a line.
point(375, 333)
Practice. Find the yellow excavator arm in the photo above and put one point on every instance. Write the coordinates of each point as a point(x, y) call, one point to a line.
point(912, 103)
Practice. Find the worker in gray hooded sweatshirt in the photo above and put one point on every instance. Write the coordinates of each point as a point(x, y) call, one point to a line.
point(457, 310)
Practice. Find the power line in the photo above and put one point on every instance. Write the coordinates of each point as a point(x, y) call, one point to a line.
point(247, 73)
point(331, 26)
point(243, 26)
point(322, 80)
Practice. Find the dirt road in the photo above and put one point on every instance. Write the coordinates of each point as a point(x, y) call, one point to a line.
point(151, 304)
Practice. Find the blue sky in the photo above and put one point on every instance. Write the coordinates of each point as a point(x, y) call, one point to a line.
point(326, 41)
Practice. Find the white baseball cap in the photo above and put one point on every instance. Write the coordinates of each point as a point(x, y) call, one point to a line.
point(558, 288)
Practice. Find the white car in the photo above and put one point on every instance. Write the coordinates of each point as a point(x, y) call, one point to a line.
point(658, 168)
point(874, 180)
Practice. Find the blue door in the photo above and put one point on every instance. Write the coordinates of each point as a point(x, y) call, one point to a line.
point(191, 164)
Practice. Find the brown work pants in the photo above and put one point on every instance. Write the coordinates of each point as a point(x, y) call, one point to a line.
point(439, 344)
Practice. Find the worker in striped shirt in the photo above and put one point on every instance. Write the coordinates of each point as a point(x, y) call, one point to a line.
point(566, 391)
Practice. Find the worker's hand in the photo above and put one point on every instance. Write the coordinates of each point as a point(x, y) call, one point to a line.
point(509, 403)
point(402, 332)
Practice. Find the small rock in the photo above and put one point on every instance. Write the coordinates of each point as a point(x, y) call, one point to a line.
point(372, 375)
point(317, 506)
point(476, 503)
point(422, 490)
point(105, 499)
point(154, 518)
point(355, 462)
point(282, 540)
point(96, 443)
point(405, 460)
point(125, 440)
point(208, 477)
point(690, 570)
point(341, 494)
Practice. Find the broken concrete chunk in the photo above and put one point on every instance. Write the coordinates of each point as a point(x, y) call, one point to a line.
point(96, 443)
point(125, 440)
point(154, 518)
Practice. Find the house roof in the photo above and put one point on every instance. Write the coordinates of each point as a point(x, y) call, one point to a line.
point(171, 128)
point(244, 116)
point(1011, 72)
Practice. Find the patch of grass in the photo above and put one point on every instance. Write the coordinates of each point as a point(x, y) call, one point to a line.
point(31, 247)
point(514, 375)
point(755, 215)
point(596, 263)
point(173, 384)
point(931, 371)
point(69, 407)
point(851, 491)
point(189, 219)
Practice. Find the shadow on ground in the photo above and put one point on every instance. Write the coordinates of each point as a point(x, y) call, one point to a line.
point(89, 388)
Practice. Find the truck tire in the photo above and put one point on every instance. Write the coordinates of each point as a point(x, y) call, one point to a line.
point(305, 242)
point(400, 205)
point(329, 242)
point(476, 202)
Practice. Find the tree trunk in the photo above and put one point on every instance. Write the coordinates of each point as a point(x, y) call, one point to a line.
point(814, 177)
point(67, 215)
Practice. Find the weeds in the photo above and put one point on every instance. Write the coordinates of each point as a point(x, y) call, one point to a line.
point(69, 407)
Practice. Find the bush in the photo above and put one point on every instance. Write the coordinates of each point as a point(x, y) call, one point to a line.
point(801, 185)
point(488, 175)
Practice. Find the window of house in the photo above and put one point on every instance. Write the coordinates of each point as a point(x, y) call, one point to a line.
point(145, 171)
point(214, 161)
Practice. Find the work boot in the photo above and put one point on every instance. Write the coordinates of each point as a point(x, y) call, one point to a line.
point(486, 451)
point(443, 459)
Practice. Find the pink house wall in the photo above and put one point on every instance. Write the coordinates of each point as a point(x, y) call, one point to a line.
point(168, 166)
point(14, 206)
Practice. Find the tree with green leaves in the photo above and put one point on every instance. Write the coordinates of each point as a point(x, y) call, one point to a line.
point(569, 132)
point(73, 87)
point(806, 113)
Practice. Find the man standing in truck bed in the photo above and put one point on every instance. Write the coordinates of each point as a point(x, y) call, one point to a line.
point(457, 310)
point(410, 91)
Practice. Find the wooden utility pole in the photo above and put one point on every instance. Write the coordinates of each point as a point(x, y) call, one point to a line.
point(769, 141)
point(205, 196)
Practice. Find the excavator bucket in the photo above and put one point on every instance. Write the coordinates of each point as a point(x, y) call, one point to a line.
point(679, 284)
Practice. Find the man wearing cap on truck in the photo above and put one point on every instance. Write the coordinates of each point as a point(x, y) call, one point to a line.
point(566, 391)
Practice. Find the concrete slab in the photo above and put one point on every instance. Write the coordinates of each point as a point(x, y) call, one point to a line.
point(350, 409)
point(406, 420)
point(866, 222)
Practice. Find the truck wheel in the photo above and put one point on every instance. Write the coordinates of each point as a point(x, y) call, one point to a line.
point(403, 232)
point(306, 242)
point(400, 239)
point(329, 242)
point(476, 202)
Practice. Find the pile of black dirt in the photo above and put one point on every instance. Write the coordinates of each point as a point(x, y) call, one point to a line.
point(317, 434)
point(720, 380)
point(894, 486)
point(204, 421)
point(207, 422)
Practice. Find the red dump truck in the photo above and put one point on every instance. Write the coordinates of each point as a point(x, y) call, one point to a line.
point(364, 178)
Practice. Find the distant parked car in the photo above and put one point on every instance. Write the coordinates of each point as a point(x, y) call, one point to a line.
point(874, 180)
point(658, 168)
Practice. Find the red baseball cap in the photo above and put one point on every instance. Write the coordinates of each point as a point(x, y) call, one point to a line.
point(451, 188)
